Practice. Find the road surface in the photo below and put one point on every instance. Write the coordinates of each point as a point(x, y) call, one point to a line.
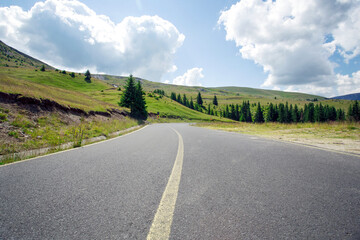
point(195, 182)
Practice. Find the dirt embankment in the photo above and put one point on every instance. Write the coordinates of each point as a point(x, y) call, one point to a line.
point(18, 112)
point(35, 106)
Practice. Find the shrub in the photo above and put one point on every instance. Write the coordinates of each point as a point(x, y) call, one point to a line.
point(3, 117)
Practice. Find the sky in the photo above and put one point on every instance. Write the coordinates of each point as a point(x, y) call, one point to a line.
point(301, 46)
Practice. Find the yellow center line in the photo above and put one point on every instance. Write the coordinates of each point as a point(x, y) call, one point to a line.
point(161, 225)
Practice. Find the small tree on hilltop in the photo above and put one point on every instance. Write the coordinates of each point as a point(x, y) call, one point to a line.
point(87, 76)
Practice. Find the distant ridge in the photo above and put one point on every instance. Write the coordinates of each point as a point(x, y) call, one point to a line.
point(353, 96)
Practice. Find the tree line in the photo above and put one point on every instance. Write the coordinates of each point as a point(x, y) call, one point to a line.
point(184, 100)
point(282, 113)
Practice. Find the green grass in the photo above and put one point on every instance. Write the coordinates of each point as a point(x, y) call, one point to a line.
point(68, 91)
point(52, 131)
point(232, 95)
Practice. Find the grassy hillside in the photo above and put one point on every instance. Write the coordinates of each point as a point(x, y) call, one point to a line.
point(231, 95)
point(227, 92)
point(21, 74)
point(10, 57)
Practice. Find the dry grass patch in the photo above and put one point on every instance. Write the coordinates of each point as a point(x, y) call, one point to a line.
point(341, 136)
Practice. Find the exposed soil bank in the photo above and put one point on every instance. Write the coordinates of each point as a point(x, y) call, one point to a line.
point(35, 105)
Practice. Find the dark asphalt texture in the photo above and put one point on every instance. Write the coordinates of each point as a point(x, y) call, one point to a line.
point(233, 186)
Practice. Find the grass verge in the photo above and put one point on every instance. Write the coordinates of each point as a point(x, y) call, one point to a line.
point(52, 132)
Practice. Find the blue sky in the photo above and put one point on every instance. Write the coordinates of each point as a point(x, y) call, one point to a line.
point(260, 44)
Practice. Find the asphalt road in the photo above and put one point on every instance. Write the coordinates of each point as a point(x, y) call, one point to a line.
point(232, 186)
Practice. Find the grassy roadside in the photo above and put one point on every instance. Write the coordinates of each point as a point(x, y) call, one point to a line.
point(53, 130)
point(340, 136)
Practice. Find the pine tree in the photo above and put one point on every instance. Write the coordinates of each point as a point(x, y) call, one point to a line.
point(356, 111)
point(199, 100)
point(191, 104)
point(87, 76)
point(185, 101)
point(173, 96)
point(128, 96)
point(340, 115)
point(290, 114)
point(248, 114)
point(270, 113)
point(178, 99)
point(227, 113)
point(322, 114)
point(138, 108)
point(237, 113)
point(332, 114)
point(281, 112)
point(286, 114)
point(215, 101)
point(309, 113)
point(295, 114)
point(259, 117)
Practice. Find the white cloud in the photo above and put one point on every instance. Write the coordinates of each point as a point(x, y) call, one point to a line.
point(293, 40)
point(311, 89)
point(190, 78)
point(71, 35)
point(347, 84)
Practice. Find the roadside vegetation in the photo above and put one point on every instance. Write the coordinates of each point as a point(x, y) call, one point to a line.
point(52, 130)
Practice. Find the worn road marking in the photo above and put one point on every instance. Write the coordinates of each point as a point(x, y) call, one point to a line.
point(161, 226)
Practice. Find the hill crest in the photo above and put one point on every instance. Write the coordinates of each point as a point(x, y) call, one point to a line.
point(11, 57)
point(353, 96)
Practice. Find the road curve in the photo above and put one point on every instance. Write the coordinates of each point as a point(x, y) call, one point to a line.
point(232, 186)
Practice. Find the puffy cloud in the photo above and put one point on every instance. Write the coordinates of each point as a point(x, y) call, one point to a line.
point(68, 34)
point(311, 89)
point(293, 40)
point(347, 84)
point(190, 78)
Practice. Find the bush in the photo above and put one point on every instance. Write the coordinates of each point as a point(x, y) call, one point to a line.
point(3, 117)
point(72, 74)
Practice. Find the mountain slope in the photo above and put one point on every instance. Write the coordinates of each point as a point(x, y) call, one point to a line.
point(10, 57)
point(354, 96)
point(20, 74)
